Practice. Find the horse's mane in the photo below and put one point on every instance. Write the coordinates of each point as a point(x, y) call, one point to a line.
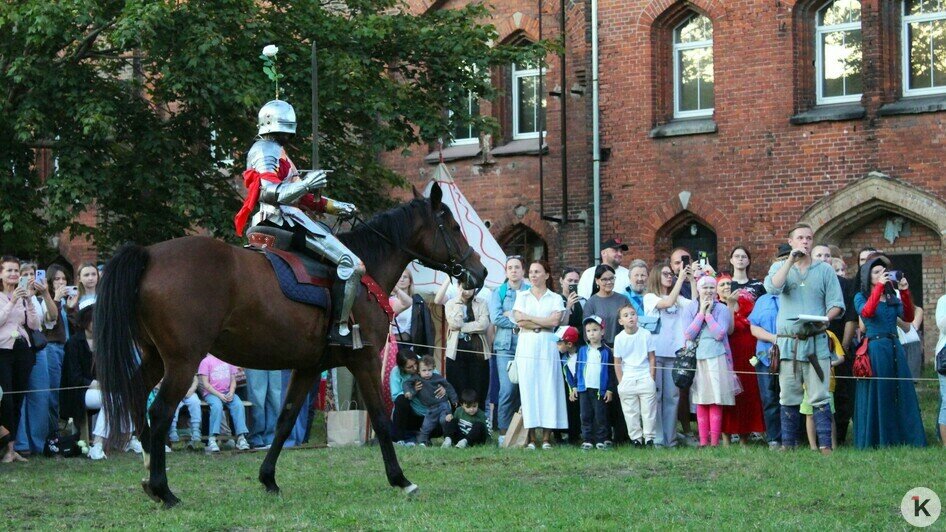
point(395, 224)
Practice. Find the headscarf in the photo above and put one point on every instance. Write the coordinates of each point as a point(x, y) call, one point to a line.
point(873, 260)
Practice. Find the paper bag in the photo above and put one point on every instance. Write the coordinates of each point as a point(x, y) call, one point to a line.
point(347, 427)
point(516, 434)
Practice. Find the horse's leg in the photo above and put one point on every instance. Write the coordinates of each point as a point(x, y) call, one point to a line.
point(299, 385)
point(366, 367)
point(152, 368)
point(177, 381)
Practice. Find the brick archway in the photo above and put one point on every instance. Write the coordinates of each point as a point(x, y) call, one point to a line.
point(517, 24)
point(838, 212)
point(657, 9)
point(502, 227)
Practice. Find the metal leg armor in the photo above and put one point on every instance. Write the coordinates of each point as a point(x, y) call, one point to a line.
point(350, 269)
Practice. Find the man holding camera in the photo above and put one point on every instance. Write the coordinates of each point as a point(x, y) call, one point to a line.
point(804, 286)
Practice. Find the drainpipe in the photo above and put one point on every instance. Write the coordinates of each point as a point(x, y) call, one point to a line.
point(595, 133)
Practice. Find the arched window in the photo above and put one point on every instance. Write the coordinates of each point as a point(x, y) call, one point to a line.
point(693, 77)
point(838, 55)
point(526, 243)
point(923, 37)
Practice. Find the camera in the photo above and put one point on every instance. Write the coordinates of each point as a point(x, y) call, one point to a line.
point(572, 288)
point(896, 275)
point(72, 291)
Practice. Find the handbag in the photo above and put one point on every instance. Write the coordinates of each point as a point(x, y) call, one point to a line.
point(650, 323)
point(941, 361)
point(512, 369)
point(862, 368)
point(684, 365)
point(37, 338)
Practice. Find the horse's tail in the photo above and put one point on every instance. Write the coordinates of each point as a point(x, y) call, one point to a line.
point(117, 361)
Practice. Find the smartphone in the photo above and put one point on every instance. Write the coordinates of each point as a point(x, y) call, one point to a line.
point(703, 258)
point(41, 276)
point(685, 260)
point(72, 291)
point(23, 283)
point(572, 288)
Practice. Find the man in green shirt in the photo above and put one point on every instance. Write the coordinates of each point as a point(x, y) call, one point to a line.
point(804, 286)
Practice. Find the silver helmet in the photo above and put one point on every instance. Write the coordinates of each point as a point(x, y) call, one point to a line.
point(277, 116)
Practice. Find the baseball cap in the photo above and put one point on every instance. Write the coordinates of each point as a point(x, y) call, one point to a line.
point(567, 334)
point(615, 243)
point(783, 250)
point(593, 318)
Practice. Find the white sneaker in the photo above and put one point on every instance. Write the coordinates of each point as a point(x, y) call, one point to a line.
point(447, 443)
point(212, 446)
point(96, 452)
point(242, 444)
point(462, 444)
point(501, 440)
point(134, 446)
point(167, 449)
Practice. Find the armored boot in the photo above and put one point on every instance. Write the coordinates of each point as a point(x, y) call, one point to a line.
point(349, 269)
point(790, 424)
point(342, 334)
point(822, 415)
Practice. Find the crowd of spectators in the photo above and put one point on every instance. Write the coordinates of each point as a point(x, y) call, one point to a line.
point(584, 357)
point(589, 361)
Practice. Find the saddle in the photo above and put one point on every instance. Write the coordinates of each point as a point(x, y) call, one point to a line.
point(303, 278)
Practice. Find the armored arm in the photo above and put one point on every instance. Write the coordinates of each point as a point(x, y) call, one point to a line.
point(340, 208)
point(289, 193)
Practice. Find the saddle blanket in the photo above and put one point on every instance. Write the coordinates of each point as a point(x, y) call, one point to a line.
point(293, 289)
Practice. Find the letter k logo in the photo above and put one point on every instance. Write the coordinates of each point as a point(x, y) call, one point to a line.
point(920, 506)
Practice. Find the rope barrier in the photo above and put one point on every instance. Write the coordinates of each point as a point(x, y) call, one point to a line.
point(917, 379)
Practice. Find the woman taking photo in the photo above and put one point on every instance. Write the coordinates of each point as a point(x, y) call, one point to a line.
point(88, 275)
point(538, 312)
point(17, 312)
point(887, 412)
point(57, 280)
point(663, 300)
point(574, 304)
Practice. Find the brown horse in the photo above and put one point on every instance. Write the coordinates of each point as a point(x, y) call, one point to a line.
point(178, 300)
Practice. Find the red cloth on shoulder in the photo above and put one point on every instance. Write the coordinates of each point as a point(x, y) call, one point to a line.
point(908, 309)
point(251, 180)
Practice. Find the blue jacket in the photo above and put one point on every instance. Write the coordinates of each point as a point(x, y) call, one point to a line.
point(502, 300)
point(577, 381)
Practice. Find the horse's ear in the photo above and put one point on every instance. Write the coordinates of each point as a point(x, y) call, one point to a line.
point(436, 197)
point(417, 194)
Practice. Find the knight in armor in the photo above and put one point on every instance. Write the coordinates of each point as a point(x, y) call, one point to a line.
point(281, 196)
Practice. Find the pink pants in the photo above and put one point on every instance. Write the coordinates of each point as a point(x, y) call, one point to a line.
point(709, 421)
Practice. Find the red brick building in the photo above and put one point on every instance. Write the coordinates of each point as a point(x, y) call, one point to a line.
point(725, 122)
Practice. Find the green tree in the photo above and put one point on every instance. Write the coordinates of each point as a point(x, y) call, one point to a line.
point(148, 106)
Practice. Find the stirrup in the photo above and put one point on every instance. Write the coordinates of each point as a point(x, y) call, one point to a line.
point(352, 340)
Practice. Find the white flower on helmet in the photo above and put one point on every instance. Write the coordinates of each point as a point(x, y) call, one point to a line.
point(270, 50)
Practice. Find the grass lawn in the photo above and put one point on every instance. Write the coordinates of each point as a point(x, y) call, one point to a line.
point(488, 488)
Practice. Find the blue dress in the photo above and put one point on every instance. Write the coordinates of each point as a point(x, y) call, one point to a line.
point(886, 411)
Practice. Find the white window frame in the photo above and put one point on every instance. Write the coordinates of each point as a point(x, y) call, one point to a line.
point(679, 47)
point(471, 100)
point(905, 22)
point(516, 76)
point(820, 31)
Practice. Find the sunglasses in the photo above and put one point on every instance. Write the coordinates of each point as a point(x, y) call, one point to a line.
point(667, 274)
point(606, 279)
point(514, 257)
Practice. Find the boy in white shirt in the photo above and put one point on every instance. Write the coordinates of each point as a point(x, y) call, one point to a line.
point(635, 366)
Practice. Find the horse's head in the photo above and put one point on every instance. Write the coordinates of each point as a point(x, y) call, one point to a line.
point(441, 241)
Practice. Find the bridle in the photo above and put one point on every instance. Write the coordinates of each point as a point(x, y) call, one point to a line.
point(455, 259)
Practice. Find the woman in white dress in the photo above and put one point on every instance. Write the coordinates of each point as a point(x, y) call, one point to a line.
point(538, 312)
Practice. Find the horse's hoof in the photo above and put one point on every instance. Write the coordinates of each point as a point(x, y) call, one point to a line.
point(148, 491)
point(411, 490)
point(171, 501)
point(273, 490)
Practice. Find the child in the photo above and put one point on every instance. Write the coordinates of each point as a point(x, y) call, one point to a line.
point(567, 344)
point(467, 424)
point(218, 383)
point(591, 386)
point(437, 409)
point(635, 365)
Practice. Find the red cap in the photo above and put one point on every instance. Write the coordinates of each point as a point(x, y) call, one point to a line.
point(568, 334)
